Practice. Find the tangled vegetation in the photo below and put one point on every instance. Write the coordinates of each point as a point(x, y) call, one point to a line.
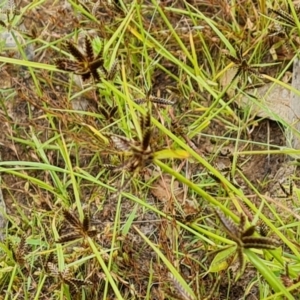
point(129, 170)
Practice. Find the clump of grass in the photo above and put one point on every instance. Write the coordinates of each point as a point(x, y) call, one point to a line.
point(64, 160)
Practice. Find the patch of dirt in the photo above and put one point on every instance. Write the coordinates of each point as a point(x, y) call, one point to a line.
point(263, 168)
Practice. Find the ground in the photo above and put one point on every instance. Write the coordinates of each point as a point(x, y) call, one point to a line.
point(57, 147)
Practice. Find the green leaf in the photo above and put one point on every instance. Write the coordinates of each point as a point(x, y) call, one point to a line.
point(169, 153)
point(269, 276)
point(219, 263)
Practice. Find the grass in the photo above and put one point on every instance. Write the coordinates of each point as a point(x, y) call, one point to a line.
point(176, 224)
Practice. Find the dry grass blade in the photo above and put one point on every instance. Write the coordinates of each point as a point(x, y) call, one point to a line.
point(182, 293)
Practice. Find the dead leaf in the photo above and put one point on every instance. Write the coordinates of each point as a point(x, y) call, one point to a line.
point(163, 189)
